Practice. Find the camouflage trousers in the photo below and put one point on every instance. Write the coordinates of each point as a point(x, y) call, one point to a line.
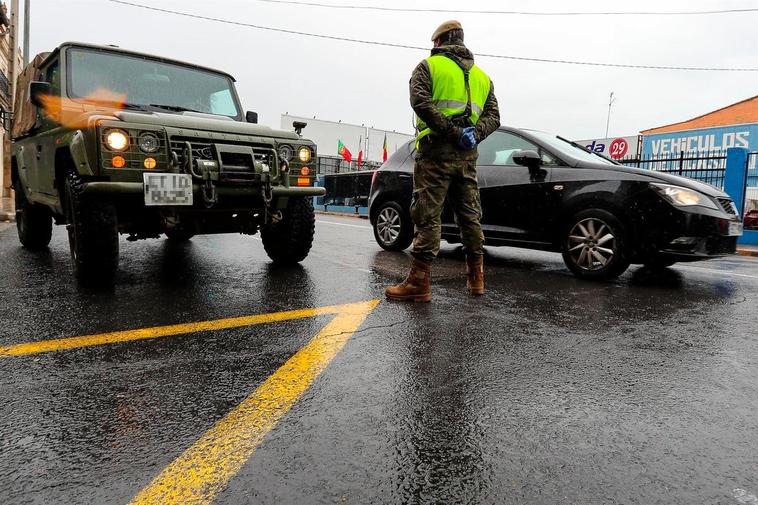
point(433, 182)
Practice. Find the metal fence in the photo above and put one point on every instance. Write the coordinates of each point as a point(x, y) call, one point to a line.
point(706, 167)
point(751, 191)
point(328, 165)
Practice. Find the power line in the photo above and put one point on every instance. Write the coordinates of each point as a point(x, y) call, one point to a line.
point(419, 48)
point(515, 13)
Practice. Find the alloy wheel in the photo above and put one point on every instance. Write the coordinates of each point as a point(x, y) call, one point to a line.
point(388, 225)
point(592, 244)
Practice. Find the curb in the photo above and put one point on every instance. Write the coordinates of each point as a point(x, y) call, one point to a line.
point(748, 252)
point(333, 213)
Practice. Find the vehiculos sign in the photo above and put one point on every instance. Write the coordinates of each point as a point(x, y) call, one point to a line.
point(714, 141)
point(614, 147)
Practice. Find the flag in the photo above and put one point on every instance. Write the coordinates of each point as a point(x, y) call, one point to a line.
point(360, 152)
point(344, 151)
point(384, 148)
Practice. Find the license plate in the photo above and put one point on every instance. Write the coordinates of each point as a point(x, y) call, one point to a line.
point(167, 189)
point(735, 229)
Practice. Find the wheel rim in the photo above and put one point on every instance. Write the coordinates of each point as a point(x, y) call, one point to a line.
point(388, 225)
point(592, 244)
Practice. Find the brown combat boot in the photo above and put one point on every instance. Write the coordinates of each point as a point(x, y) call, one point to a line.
point(417, 287)
point(475, 275)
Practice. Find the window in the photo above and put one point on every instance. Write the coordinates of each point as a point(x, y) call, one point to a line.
point(53, 76)
point(498, 149)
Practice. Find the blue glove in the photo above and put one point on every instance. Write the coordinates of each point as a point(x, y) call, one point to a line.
point(467, 140)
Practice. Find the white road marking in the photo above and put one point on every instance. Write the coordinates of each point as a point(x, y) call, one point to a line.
point(719, 272)
point(743, 496)
point(343, 224)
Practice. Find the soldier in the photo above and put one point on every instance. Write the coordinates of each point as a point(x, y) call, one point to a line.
point(455, 104)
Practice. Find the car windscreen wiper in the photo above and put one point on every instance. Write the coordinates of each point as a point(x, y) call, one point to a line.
point(583, 148)
point(176, 108)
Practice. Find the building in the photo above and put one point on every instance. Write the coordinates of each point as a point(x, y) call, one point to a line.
point(710, 134)
point(7, 76)
point(327, 135)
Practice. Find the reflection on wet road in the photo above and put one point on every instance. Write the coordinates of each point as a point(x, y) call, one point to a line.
point(548, 390)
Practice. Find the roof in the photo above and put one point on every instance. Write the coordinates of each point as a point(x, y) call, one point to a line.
point(745, 111)
point(116, 49)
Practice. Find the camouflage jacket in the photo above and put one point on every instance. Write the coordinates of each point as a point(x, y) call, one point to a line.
point(443, 144)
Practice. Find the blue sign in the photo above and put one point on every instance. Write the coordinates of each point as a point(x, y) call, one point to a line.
point(701, 142)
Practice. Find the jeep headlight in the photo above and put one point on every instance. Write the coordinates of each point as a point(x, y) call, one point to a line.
point(304, 154)
point(286, 153)
point(149, 142)
point(683, 197)
point(116, 140)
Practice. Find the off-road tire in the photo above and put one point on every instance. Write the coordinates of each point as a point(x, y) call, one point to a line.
point(92, 235)
point(33, 222)
point(617, 260)
point(178, 235)
point(393, 227)
point(289, 241)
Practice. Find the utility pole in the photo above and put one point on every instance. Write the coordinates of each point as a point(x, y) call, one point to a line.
point(27, 20)
point(13, 71)
point(607, 122)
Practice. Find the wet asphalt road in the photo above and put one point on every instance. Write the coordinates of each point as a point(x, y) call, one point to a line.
point(548, 390)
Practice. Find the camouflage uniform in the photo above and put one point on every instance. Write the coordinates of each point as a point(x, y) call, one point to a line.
point(444, 170)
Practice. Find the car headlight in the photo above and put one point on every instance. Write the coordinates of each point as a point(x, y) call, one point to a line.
point(304, 154)
point(149, 142)
point(117, 140)
point(683, 197)
point(286, 152)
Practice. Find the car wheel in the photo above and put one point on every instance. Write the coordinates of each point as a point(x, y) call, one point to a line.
point(34, 222)
point(92, 235)
point(290, 240)
point(393, 229)
point(179, 235)
point(594, 245)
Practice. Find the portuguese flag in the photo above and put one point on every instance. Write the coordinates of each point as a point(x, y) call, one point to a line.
point(344, 151)
point(384, 148)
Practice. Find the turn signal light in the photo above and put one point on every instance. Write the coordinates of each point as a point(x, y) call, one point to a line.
point(118, 162)
point(305, 171)
point(150, 163)
point(303, 181)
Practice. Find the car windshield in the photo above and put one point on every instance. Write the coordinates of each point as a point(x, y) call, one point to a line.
point(561, 146)
point(149, 83)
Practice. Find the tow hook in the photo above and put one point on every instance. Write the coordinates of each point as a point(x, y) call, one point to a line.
point(271, 216)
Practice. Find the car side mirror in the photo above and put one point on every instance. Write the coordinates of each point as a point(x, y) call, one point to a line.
point(251, 117)
point(38, 89)
point(528, 158)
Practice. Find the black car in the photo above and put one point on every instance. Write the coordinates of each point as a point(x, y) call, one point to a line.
point(541, 191)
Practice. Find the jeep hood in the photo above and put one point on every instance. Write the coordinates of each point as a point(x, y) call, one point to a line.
point(203, 123)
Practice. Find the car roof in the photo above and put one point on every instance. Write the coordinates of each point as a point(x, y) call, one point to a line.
point(116, 49)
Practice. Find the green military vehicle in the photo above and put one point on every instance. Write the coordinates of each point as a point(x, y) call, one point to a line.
point(109, 141)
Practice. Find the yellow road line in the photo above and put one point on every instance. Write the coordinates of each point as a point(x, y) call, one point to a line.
point(60, 344)
point(205, 468)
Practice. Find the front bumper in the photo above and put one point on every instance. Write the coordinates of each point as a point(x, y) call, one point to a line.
point(137, 188)
point(696, 237)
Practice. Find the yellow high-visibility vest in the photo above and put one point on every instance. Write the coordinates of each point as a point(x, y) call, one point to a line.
point(452, 90)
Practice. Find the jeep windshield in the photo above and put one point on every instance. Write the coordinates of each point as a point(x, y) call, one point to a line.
point(149, 84)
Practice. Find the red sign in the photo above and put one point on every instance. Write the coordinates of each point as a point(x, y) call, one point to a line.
point(619, 148)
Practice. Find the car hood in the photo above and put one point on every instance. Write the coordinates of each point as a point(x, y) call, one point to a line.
point(203, 123)
point(664, 178)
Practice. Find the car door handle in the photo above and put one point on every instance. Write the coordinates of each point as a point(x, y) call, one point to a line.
point(405, 176)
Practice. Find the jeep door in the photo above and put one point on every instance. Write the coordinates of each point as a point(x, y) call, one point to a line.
point(44, 141)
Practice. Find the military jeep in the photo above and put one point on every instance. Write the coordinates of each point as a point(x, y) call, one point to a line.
point(109, 141)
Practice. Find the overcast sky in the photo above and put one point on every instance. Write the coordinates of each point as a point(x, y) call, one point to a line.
point(355, 83)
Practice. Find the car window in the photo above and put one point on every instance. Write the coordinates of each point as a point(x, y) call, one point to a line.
point(53, 76)
point(498, 150)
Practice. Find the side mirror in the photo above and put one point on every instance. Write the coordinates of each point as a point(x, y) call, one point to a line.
point(38, 89)
point(251, 117)
point(528, 158)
